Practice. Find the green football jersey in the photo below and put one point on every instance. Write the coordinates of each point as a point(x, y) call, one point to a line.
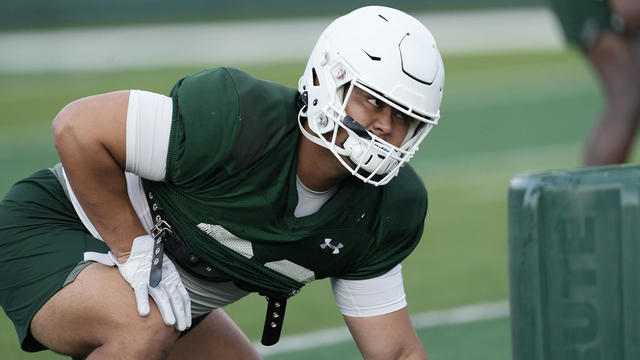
point(230, 187)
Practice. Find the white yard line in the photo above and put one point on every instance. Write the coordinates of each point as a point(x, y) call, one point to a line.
point(459, 315)
point(255, 41)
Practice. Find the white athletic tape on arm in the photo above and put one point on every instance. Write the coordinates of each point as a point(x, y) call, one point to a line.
point(148, 129)
point(376, 296)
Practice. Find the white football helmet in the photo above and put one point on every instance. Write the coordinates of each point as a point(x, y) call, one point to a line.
point(388, 54)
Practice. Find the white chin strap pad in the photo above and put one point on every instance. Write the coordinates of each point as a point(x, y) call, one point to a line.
point(355, 149)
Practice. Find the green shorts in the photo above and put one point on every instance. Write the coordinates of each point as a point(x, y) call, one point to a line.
point(583, 20)
point(42, 242)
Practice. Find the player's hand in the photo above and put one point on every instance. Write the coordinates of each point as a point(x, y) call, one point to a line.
point(170, 295)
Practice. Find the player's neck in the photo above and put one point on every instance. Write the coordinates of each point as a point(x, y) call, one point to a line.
point(318, 169)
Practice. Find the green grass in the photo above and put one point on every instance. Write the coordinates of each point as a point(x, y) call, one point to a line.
point(482, 340)
point(503, 114)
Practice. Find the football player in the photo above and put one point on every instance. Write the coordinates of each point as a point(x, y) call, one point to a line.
point(227, 186)
point(608, 33)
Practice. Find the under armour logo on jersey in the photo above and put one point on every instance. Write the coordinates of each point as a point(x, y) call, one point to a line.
point(336, 249)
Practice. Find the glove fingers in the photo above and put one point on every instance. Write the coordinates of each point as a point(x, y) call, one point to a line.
point(142, 299)
point(187, 300)
point(179, 305)
point(163, 302)
point(178, 310)
point(180, 301)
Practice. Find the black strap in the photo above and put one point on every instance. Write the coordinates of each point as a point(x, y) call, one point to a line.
point(273, 320)
point(159, 232)
point(166, 236)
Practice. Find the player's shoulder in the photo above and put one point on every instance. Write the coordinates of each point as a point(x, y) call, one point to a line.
point(268, 110)
point(199, 93)
point(231, 80)
point(406, 196)
point(205, 78)
point(407, 186)
point(401, 210)
point(254, 91)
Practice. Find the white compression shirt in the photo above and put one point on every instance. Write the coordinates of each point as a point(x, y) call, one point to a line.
point(148, 127)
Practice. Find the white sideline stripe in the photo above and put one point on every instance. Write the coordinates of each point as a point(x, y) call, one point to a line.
point(459, 315)
point(256, 41)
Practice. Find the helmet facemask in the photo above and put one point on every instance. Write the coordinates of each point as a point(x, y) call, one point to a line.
point(362, 153)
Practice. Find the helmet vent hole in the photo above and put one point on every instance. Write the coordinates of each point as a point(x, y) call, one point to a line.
point(316, 82)
point(383, 18)
point(374, 58)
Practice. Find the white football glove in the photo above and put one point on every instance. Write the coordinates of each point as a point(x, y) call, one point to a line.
point(170, 295)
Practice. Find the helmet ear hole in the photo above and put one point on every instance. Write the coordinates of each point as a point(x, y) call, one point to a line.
point(316, 82)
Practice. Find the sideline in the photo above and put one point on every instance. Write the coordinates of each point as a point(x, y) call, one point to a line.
point(459, 315)
point(256, 41)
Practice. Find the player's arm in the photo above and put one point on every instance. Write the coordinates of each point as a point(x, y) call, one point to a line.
point(90, 135)
point(375, 311)
point(91, 138)
point(388, 336)
point(629, 11)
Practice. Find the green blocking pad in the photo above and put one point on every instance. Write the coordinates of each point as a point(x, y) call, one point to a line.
point(574, 264)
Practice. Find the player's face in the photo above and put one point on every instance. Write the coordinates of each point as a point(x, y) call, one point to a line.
point(377, 116)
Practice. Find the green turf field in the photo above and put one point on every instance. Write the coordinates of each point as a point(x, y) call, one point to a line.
point(482, 340)
point(503, 114)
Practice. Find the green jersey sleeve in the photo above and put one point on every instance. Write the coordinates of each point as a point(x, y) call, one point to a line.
point(204, 126)
point(224, 121)
point(399, 227)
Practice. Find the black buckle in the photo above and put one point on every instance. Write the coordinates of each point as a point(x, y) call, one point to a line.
point(159, 227)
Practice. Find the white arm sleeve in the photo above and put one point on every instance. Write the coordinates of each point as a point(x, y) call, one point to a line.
point(148, 128)
point(370, 297)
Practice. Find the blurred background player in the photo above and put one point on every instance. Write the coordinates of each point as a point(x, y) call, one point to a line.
point(607, 33)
